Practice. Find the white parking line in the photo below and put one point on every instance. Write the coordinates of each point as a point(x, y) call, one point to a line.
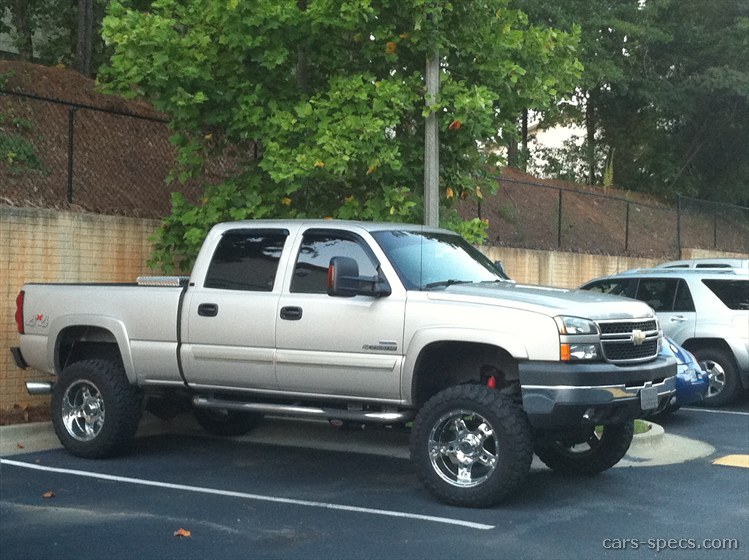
point(717, 411)
point(243, 495)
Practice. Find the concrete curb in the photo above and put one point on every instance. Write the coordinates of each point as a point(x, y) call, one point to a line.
point(653, 436)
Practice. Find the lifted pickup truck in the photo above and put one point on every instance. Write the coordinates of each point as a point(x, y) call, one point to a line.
point(355, 322)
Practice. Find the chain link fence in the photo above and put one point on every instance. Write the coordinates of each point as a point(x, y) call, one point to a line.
point(56, 154)
point(539, 216)
point(713, 225)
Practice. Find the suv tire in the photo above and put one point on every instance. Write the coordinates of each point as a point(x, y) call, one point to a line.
point(724, 378)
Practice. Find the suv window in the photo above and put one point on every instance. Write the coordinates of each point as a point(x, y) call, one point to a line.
point(318, 247)
point(246, 260)
point(733, 293)
point(665, 294)
point(617, 287)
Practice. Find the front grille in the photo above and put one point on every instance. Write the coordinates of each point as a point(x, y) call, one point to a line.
point(626, 351)
point(618, 340)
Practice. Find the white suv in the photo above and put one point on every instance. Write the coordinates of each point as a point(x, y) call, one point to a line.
point(709, 263)
point(705, 311)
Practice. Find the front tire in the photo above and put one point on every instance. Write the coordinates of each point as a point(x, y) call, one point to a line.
point(95, 410)
point(589, 452)
point(471, 446)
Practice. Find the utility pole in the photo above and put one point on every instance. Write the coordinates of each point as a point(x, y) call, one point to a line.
point(431, 141)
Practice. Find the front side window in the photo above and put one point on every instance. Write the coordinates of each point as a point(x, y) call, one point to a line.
point(616, 287)
point(246, 260)
point(683, 301)
point(658, 293)
point(318, 247)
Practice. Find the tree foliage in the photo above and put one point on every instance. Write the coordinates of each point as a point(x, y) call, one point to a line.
point(56, 31)
point(664, 95)
point(324, 100)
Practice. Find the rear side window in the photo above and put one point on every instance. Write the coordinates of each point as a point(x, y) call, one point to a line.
point(246, 260)
point(733, 293)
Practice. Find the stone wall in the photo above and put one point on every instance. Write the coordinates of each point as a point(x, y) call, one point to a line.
point(41, 245)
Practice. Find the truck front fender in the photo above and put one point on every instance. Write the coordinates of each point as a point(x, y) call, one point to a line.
point(423, 338)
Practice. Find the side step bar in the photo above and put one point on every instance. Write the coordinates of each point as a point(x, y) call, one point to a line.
point(384, 417)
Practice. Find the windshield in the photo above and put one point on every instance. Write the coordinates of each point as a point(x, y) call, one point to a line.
point(426, 260)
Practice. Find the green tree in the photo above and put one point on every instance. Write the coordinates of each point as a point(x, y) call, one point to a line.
point(323, 101)
point(682, 123)
point(608, 28)
point(664, 95)
point(58, 31)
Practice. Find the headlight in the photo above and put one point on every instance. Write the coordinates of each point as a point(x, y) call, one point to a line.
point(575, 325)
point(578, 339)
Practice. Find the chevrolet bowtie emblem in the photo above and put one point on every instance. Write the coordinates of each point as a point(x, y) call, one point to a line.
point(638, 337)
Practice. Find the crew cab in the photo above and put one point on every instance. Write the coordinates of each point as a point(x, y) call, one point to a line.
point(356, 322)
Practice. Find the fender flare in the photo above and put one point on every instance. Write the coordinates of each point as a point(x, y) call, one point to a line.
point(114, 326)
point(513, 345)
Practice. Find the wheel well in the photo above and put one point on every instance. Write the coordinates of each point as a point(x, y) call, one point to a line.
point(85, 343)
point(695, 344)
point(446, 364)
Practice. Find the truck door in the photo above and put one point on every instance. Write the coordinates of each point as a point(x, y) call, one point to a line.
point(334, 345)
point(230, 338)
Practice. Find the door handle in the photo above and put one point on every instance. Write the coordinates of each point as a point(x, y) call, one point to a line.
point(291, 313)
point(207, 309)
point(678, 319)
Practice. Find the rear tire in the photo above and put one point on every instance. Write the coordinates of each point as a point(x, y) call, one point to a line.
point(724, 377)
point(226, 423)
point(95, 410)
point(471, 446)
point(587, 453)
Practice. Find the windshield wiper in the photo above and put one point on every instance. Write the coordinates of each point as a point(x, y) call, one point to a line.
point(446, 283)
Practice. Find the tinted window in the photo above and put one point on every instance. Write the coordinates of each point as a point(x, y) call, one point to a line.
point(733, 293)
point(318, 247)
point(683, 301)
point(616, 287)
point(246, 260)
point(658, 293)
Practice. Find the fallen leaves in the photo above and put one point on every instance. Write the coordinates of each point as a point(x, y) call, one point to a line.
point(182, 533)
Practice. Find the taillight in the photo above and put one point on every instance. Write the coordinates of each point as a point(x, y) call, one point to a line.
point(19, 311)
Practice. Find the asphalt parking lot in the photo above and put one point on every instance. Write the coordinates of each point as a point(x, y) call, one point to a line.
point(305, 490)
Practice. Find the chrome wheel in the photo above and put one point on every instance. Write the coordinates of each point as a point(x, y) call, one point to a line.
point(472, 446)
point(717, 377)
point(83, 411)
point(463, 448)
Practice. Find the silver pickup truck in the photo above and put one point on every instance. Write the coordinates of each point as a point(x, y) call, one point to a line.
point(360, 323)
